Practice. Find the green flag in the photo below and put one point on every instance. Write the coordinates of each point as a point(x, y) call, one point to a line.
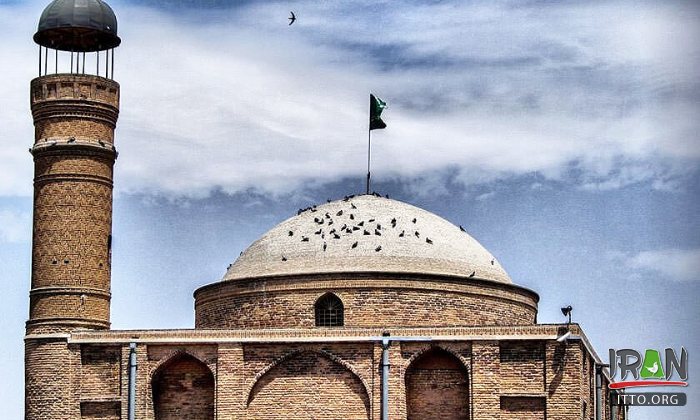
point(376, 106)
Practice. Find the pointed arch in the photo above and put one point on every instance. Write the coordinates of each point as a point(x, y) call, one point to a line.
point(329, 311)
point(434, 346)
point(310, 383)
point(182, 387)
point(179, 352)
point(437, 386)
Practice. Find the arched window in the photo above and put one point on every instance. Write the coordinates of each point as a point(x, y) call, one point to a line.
point(329, 311)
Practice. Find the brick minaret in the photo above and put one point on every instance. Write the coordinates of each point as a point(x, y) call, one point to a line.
point(75, 105)
point(74, 119)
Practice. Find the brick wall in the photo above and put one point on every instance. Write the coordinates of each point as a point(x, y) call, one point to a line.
point(523, 408)
point(100, 372)
point(486, 384)
point(378, 302)
point(522, 367)
point(335, 380)
point(564, 380)
point(309, 385)
point(48, 378)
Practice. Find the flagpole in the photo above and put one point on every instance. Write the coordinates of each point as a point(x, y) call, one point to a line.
point(369, 151)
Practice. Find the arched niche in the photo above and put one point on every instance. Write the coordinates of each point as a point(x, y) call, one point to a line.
point(309, 385)
point(437, 386)
point(183, 388)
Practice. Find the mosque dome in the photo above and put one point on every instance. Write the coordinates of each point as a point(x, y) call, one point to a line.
point(381, 261)
point(78, 25)
point(367, 234)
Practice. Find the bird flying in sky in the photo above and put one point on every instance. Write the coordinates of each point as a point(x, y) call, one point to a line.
point(292, 18)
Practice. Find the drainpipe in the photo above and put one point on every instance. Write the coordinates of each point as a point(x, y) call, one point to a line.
point(386, 343)
point(598, 392)
point(385, 376)
point(132, 381)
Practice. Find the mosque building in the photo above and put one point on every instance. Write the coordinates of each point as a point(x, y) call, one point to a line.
point(360, 308)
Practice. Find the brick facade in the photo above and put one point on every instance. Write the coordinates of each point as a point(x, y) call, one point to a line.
point(459, 373)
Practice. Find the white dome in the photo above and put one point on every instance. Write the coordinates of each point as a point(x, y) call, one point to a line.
point(367, 234)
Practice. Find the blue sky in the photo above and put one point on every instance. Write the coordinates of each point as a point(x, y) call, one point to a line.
point(562, 135)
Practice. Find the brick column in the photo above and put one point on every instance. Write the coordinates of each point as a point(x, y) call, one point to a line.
point(230, 384)
point(376, 391)
point(563, 364)
point(49, 380)
point(144, 395)
point(485, 386)
point(397, 385)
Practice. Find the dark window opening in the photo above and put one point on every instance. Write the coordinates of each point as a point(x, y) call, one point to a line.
point(329, 311)
point(109, 249)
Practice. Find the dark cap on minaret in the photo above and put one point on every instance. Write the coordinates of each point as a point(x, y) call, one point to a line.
point(78, 25)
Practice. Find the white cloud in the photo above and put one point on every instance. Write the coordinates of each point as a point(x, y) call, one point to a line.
point(485, 196)
point(15, 226)
point(675, 264)
point(244, 101)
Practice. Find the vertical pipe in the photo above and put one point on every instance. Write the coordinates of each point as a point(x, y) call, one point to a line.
point(56, 68)
point(132, 382)
point(385, 377)
point(83, 62)
point(98, 63)
point(598, 393)
point(71, 62)
point(46, 61)
point(40, 60)
point(112, 76)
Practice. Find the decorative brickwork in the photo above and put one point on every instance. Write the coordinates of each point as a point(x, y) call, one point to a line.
point(74, 116)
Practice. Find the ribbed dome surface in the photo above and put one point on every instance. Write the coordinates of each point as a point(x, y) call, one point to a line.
point(367, 234)
point(78, 25)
